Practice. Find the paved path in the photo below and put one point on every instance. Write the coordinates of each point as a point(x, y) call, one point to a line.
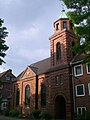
point(8, 118)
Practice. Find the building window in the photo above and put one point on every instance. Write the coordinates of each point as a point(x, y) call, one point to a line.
point(43, 95)
point(12, 79)
point(27, 95)
point(58, 51)
point(1, 86)
point(3, 105)
point(89, 88)
point(88, 68)
point(78, 71)
point(7, 78)
point(64, 24)
point(59, 79)
point(0, 95)
point(80, 90)
point(17, 96)
point(57, 26)
point(81, 111)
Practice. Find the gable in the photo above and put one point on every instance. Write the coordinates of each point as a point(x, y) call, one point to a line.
point(27, 73)
point(7, 76)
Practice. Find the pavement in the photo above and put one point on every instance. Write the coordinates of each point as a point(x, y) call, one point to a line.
point(9, 118)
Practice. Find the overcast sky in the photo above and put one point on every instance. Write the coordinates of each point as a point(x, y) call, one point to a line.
point(30, 24)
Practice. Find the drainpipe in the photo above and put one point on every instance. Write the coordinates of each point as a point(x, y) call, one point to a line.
point(71, 92)
point(36, 93)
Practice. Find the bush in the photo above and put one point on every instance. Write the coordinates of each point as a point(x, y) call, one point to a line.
point(6, 113)
point(29, 117)
point(36, 114)
point(14, 113)
point(45, 116)
point(85, 117)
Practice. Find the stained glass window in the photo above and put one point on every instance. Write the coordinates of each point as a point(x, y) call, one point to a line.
point(58, 51)
point(43, 95)
point(27, 95)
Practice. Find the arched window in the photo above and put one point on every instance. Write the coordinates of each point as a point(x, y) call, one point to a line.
point(58, 51)
point(17, 96)
point(43, 95)
point(27, 95)
point(64, 24)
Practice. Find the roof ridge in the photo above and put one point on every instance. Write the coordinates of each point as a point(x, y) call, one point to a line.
point(4, 72)
point(39, 61)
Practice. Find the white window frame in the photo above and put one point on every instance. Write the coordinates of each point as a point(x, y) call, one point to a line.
point(83, 89)
point(81, 70)
point(0, 95)
point(81, 110)
point(1, 86)
point(89, 88)
point(3, 105)
point(87, 68)
point(8, 78)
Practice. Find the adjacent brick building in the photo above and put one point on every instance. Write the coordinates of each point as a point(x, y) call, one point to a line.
point(81, 85)
point(58, 84)
point(6, 79)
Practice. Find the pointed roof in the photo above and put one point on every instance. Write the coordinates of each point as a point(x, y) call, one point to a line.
point(5, 72)
point(1, 74)
point(63, 14)
point(41, 66)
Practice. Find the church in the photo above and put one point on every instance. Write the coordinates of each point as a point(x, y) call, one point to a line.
point(59, 84)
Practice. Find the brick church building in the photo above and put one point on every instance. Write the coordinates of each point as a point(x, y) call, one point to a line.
point(59, 84)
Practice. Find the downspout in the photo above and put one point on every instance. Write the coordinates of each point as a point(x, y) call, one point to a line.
point(22, 103)
point(36, 93)
point(72, 75)
point(71, 92)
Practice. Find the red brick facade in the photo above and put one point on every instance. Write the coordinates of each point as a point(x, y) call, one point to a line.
point(65, 37)
point(57, 74)
point(83, 99)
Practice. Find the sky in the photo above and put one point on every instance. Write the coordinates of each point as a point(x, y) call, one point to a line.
point(30, 24)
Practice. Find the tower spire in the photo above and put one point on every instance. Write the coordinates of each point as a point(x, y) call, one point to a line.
point(62, 7)
point(63, 13)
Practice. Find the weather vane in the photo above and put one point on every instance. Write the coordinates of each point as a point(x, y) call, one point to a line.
point(63, 7)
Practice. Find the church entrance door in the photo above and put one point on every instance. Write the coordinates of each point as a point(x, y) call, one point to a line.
point(60, 108)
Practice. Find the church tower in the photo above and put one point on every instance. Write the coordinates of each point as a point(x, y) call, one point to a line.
point(62, 41)
point(58, 77)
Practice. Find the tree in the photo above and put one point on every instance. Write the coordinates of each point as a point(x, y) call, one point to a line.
point(3, 46)
point(80, 15)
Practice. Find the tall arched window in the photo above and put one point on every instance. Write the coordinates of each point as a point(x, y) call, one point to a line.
point(43, 95)
point(27, 95)
point(58, 51)
point(17, 96)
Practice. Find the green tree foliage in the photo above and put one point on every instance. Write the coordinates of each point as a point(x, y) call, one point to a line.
point(79, 13)
point(3, 46)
